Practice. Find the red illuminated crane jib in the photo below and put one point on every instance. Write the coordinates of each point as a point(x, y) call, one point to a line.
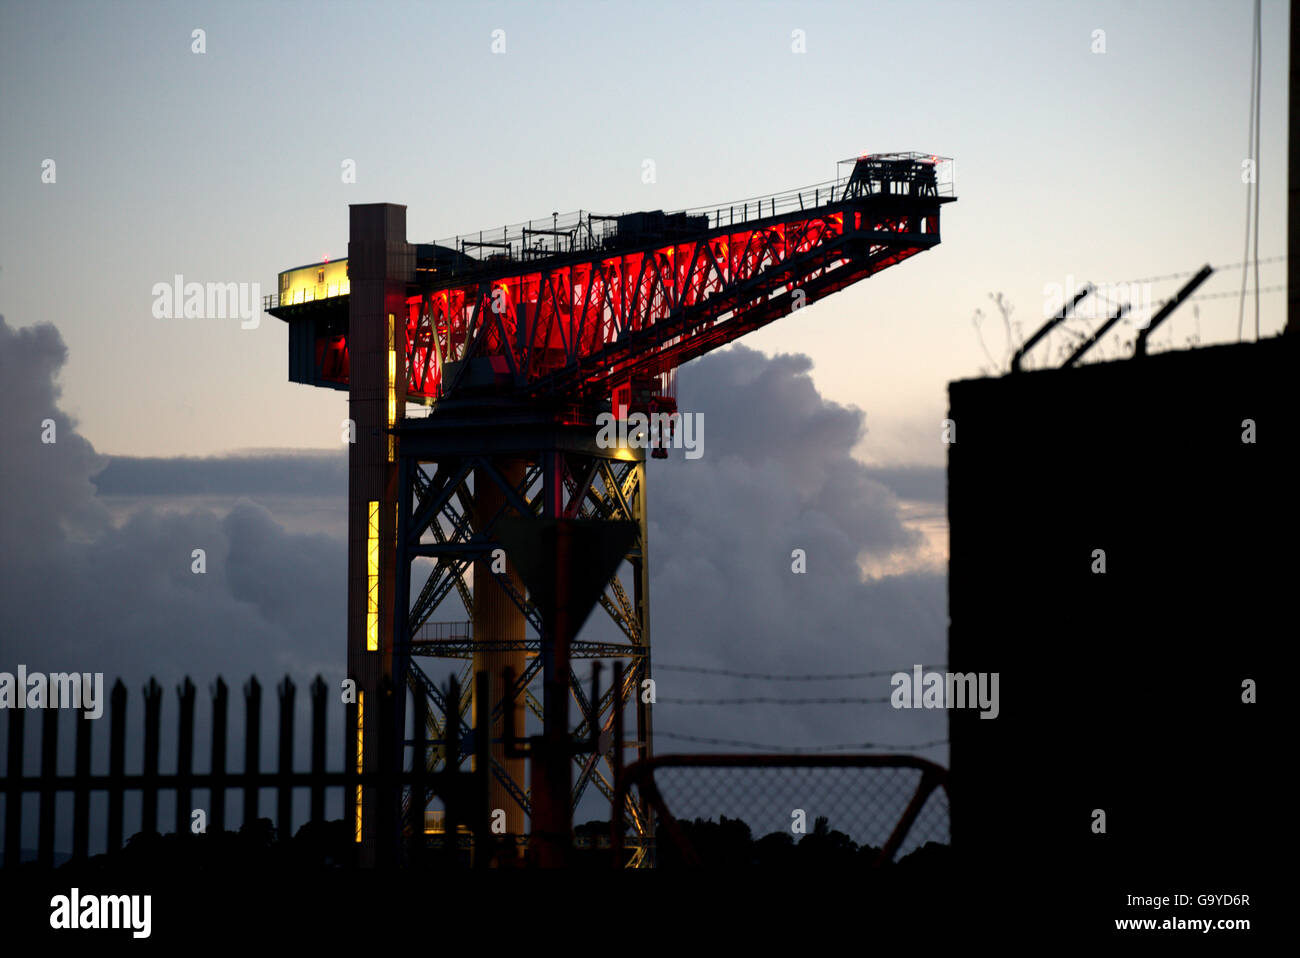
point(576, 326)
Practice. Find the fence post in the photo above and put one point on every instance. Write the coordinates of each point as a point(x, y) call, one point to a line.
point(81, 796)
point(152, 711)
point(318, 693)
point(217, 793)
point(284, 805)
point(388, 833)
point(14, 791)
point(616, 816)
point(116, 766)
point(451, 793)
point(252, 748)
point(184, 755)
point(49, 768)
point(419, 775)
point(351, 763)
point(485, 845)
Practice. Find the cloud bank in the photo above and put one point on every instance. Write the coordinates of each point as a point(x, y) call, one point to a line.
point(87, 588)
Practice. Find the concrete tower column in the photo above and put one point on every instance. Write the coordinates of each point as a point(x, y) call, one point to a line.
point(380, 264)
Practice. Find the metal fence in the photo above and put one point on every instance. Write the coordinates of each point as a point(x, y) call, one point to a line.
point(463, 794)
point(583, 231)
point(708, 810)
point(840, 811)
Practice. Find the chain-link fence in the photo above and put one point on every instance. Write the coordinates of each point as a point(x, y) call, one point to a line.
point(844, 811)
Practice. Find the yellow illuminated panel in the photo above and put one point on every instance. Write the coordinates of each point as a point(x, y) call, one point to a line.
point(392, 391)
point(361, 727)
point(372, 578)
point(307, 284)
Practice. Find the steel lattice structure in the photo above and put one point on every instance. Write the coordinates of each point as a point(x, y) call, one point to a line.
point(517, 342)
point(585, 483)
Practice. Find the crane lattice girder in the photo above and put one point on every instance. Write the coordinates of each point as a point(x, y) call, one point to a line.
point(575, 329)
point(575, 326)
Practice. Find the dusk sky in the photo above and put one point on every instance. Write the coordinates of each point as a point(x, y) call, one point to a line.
point(225, 167)
point(823, 429)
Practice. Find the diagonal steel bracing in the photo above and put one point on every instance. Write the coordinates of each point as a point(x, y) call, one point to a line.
point(593, 486)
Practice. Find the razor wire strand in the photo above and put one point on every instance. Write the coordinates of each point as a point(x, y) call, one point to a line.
point(763, 747)
point(767, 700)
point(777, 677)
point(1191, 272)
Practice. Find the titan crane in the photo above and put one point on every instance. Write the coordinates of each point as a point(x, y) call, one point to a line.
point(516, 340)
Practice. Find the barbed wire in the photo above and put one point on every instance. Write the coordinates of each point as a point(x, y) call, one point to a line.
point(775, 677)
point(1112, 305)
point(1263, 289)
point(1143, 314)
point(1193, 272)
point(767, 700)
point(759, 746)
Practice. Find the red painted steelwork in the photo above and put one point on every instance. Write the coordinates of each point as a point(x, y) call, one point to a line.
point(578, 328)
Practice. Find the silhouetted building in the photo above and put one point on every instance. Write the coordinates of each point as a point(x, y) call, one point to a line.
point(1122, 691)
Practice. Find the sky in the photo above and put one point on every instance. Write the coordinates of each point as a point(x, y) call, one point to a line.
point(823, 428)
point(225, 166)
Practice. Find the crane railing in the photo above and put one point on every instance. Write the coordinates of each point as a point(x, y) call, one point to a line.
point(306, 294)
point(583, 231)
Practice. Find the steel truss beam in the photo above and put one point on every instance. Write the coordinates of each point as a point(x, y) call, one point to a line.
point(575, 326)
